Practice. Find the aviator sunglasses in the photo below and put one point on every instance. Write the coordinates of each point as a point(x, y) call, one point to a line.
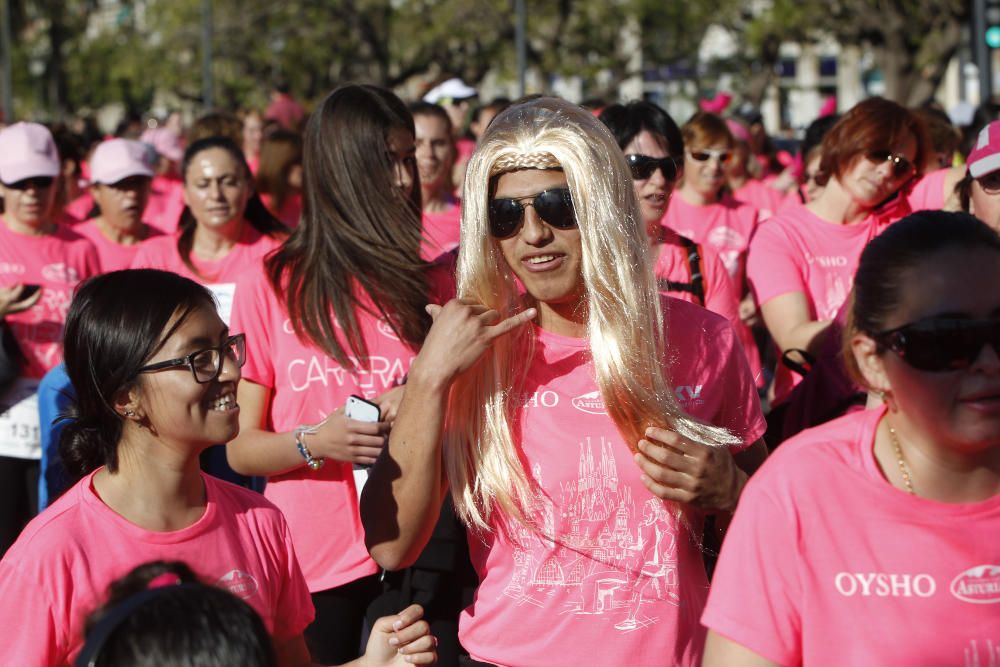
point(644, 166)
point(554, 207)
point(900, 165)
point(706, 155)
point(940, 345)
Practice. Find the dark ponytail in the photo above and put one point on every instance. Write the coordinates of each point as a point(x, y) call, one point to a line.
point(116, 322)
point(255, 213)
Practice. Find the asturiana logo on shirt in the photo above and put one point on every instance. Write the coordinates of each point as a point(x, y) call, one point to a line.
point(239, 583)
point(979, 585)
point(591, 403)
point(386, 330)
point(61, 273)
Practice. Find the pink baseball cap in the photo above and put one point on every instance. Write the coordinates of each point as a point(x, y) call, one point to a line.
point(118, 159)
point(27, 151)
point(165, 141)
point(738, 130)
point(985, 155)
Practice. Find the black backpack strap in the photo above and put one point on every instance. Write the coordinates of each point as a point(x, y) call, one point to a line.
point(694, 265)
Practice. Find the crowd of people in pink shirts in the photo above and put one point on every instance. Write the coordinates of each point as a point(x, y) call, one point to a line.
point(500, 384)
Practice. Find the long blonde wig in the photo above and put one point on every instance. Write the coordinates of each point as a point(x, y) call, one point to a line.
point(624, 318)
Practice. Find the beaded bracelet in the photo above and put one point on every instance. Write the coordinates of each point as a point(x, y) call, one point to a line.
point(314, 463)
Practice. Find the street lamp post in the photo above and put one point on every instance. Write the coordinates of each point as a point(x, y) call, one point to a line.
point(207, 85)
point(7, 89)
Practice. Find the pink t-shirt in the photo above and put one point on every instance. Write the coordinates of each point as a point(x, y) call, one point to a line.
point(219, 276)
point(797, 251)
point(826, 563)
point(726, 225)
point(760, 195)
point(621, 581)
point(673, 266)
point(113, 256)
point(62, 565)
point(441, 231)
point(166, 203)
point(306, 387)
point(57, 262)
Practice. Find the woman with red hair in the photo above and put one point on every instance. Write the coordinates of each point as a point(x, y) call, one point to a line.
point(801, 263)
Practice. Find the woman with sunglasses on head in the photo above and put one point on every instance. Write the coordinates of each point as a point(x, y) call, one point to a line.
point(561, 439)
point(337, 311)
point(886, 520)
point(41, 262)
point(802, 262)
point(686, 270)
point(155, 381)
point(979, 190)
point(224, 228)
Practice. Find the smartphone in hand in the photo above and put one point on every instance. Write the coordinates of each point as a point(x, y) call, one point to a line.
point(28, 291)
point(365, 411)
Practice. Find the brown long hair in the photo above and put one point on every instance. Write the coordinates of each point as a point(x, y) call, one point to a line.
point(357, 232)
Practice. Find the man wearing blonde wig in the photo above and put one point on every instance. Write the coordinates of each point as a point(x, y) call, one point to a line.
point(583, 424)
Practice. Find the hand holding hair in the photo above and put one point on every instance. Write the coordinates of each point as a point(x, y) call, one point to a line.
point(462, 331)
point(675, 468)
point(403, 639)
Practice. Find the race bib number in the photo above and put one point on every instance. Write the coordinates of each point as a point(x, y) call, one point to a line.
point(20, 433)
point(224, 292)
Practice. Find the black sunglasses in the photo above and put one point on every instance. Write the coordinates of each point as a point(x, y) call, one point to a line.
point(206, 365)
point(643, 166)
point(36, 182)
point(554, 207)
point(990, 183)
point(940, 345)
point(901, 166)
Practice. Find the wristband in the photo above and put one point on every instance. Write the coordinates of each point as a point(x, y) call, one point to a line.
point(314, 463)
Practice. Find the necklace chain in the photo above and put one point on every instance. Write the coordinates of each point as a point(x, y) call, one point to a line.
point(904, 470)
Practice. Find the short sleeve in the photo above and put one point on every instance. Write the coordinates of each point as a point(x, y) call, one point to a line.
point(34, 637)
point(755, 597)
point(772, 268)
point(295, 608)
point(928, 193)
point(249, 317)
point(739, 408)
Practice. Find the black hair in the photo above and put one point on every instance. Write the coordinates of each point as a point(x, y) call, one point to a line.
point(627, 120)
point(429, 109)
point(116, 322)
point(885, 261)
point(182, 623)
point(255, 213)
point(815, 133)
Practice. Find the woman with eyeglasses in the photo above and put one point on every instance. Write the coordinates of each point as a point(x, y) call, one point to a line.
point(685, 270)
point(156, 381)
point(979, 190)
point(336, 312)
point(40, 264)
point(540, 401)
point(867, 528)
point(224, 228)
point(802, 262)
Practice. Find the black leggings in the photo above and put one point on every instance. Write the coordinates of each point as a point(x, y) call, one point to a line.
point(466, 661)
point(18, 497)
point(335, 636)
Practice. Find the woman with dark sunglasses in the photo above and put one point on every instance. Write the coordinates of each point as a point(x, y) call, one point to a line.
point(156, 383)
point(686, 270)
point(336, 311)
point(41, 262)
point(884, 521)
point(979, 190)
point(560, 438)
point(802, 262)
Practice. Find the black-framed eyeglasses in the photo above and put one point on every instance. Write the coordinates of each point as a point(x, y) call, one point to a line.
point(939, 345)
point(206, 365)
point(554, 207)
point(901, 165)
point(644, 166)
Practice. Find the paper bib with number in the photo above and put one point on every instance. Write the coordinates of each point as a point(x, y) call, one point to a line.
point(20, 435)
